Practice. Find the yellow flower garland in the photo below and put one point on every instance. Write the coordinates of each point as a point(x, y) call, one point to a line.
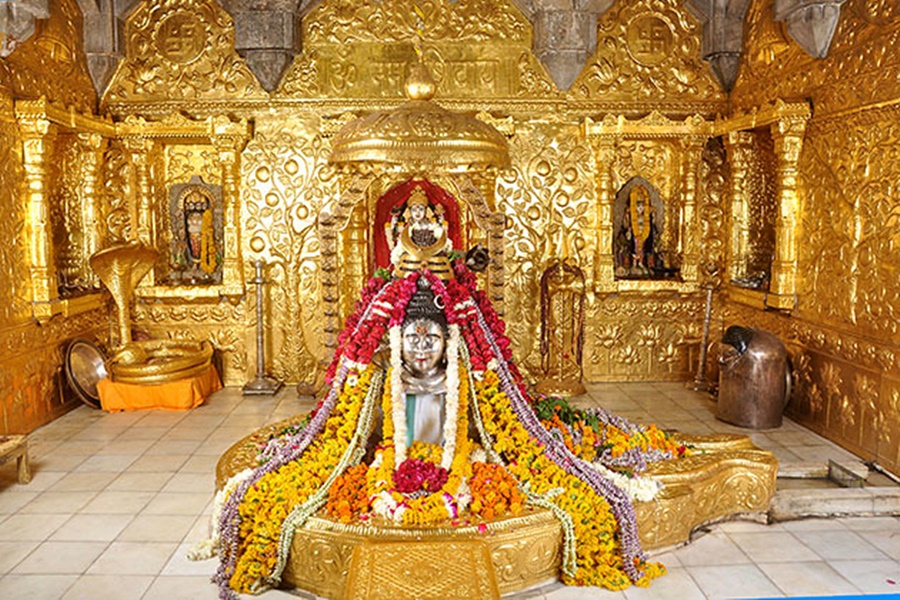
point(597, 549)
point(208, 259)
point(268, 503)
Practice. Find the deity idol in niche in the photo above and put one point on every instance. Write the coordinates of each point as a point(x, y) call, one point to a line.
point(460, 440)
point(196, 253)
point(636, 238)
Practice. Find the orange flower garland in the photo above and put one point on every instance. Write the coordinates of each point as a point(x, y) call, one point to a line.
point(348, 496)
point(494, 491)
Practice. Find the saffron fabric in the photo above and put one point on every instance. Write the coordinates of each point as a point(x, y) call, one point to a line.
point(182, 394)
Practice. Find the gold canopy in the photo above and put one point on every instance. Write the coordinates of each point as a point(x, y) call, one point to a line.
point(421, 135)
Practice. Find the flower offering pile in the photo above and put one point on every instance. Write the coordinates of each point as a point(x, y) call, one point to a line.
point(500, 451)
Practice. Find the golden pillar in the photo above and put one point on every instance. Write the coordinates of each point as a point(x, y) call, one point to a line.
point(787, 134)
point(38, 136)
point(229, 149)
point(355, 257)
point(739, 146)
point(93, 147)
point(139, 151)
point(604, 261)
point(688, 245)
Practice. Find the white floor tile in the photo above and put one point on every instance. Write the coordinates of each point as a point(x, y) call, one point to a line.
point(133, 558)
point(26, 527)
point(91, 528)
point(734, 581)
point(807, 579)
point(12, 553)
point(871, 576)
point(773, 547)
point(60, 558)
point(157, 528)
point(182, 588)
point(711, 549)
point(108, 587)
point(35, 587)
point(676, 584)
point(840, 545)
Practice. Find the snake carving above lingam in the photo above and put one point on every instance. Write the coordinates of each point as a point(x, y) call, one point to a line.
point(121, 267)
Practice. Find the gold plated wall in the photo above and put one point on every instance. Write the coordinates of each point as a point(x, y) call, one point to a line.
point(38, 191)
point(183, 103)
point(843, 334)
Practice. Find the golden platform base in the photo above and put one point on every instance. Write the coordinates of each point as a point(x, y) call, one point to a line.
point(727, 475)
point(560, 388)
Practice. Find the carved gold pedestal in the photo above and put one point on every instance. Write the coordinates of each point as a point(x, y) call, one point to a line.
point(727, 475)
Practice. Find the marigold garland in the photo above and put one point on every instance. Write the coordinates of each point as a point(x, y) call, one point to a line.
point(559, 462)
point(348, 495)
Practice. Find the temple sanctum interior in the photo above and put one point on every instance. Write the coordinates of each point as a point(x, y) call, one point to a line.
point(449, 299)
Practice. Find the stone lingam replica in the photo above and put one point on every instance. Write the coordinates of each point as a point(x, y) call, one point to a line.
point(428, 471)
point(149, 362)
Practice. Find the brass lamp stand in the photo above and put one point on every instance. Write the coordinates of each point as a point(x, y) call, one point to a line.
point(700, 384)
point(263, 385)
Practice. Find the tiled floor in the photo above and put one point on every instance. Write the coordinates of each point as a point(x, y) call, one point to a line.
point(117, 499)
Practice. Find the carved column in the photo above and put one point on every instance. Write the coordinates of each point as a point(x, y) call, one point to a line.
point(692, 153)
point(739, 146)
point(38, 136)
point(604, 261)
point(139, 151)
point(93, 147)
point(496, 248)
point(229, 151)
point(330, 226)
point(328, 267)
point(355, 253)
point(787, 134)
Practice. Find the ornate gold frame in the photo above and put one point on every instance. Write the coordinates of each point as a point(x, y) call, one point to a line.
point(228, 138)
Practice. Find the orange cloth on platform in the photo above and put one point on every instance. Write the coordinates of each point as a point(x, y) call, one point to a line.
point(183, 394)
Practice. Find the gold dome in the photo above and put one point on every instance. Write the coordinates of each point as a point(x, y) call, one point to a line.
point(421, 135)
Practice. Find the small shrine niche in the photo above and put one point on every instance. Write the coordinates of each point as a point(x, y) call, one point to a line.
point(639, 241)
point(197, 220)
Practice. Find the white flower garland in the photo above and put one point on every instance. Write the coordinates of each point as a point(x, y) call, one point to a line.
point(205, 549)
point(642, 489)
point(398, 402)
point(451, 399)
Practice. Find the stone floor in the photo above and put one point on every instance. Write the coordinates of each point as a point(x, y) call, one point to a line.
point(117, 499)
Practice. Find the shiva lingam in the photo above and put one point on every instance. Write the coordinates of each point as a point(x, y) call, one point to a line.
point(121, 267)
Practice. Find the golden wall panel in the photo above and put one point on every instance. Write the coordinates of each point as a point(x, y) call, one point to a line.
point(228, 327)
point(473, 48)
point(648, 56)
point(287, 181)
point(844, 335)
point(712, 197)
point(181, 50)
point(15, 293)
point(851, 220)
point(861, 67)
point(643, 336)
point(52, 63)
point(30, 367)
point(118, 195)
point(549, 192)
